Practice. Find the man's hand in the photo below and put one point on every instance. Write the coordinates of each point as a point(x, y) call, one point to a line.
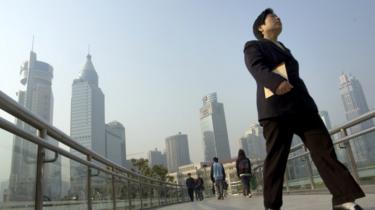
point(283, 88)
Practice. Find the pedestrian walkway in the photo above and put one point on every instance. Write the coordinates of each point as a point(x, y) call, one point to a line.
point(291, 202)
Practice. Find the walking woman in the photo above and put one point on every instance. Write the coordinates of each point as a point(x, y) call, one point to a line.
point(243, 167)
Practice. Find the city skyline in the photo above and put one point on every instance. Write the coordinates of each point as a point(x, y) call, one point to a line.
point(146, 86)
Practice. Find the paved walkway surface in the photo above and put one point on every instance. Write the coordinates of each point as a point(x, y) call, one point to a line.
point(291, 202)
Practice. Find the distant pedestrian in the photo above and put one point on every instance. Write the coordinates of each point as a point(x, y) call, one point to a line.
point(199, 187)
point(243, 166)
point(218, 177)
point(190, 184)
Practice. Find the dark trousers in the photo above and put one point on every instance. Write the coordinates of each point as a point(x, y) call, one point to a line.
point(278, 133)
point(246, 185)
point(191, 193)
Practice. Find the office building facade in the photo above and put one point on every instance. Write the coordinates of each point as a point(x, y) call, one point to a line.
point(115, 143)
point(156, 157)
point(177, 151)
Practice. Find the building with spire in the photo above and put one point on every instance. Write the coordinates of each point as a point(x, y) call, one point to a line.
point(87, 119)
point(36, 96)
point(214, 129)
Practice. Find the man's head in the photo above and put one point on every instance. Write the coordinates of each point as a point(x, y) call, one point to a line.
point(189, 174)
point(266, 22)
point(215, 159)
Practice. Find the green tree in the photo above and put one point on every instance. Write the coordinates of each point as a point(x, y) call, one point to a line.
point(142, 166)
point(160, 172)
point(157, 171)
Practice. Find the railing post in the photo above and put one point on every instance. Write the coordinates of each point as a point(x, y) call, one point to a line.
point(39, 173)
point(89, 201)
point(140, 191)
point(309, 170)
point(286, 177)
point(113, 190)
point(159, 192)
point(151, 193)
point(129, 193)
point(349, 152)
point(176, 194)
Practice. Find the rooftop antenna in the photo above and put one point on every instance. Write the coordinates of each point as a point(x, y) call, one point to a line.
point(32, 44)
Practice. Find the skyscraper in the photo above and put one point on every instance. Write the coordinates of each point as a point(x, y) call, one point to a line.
point(115, 144)
point(87, 110)
point(355, 104)
point(87, 120)
point(36, 76)
point(214, 129)
point(177, 151)
point(156, 157)
point(325, 117)
point(253, 143)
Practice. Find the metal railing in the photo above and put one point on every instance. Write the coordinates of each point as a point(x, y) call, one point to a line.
point(347, 150)
point(101, 184)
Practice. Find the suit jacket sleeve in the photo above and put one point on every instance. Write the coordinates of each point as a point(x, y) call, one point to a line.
point(212, 173)
point(257, 65)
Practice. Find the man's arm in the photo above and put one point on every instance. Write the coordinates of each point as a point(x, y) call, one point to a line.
point(256, 64)
point(222, 167)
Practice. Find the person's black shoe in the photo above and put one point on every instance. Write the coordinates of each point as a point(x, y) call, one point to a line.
point(272, 209)
point(355, 207)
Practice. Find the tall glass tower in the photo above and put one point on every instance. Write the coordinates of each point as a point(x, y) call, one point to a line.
point(214, 129)
point(355, 104)
point(36, 77)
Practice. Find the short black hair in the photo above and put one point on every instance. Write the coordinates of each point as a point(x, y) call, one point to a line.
point(260, 21)
point(215, 159)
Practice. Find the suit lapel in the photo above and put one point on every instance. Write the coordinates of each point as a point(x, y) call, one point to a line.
point(274, 46)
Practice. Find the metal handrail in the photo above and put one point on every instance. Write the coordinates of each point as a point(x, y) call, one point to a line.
point(117, 172)
point(13, 108)
point(349, 124)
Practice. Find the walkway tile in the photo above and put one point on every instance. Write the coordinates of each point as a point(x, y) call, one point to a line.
point(291, 202)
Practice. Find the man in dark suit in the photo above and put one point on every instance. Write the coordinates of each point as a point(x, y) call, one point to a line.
point(291, 110)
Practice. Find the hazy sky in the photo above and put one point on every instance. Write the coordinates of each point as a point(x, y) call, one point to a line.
point(156, 59)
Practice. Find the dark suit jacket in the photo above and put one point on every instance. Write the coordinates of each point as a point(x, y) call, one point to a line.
point(261, 57)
